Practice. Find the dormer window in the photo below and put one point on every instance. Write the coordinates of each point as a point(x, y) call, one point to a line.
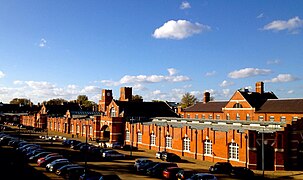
point(238, 105)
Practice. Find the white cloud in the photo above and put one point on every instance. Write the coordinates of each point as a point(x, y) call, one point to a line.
point(185, 5)
point(293, 25)
point(172, 71)
point(248, 72)
point(179, 29)
point(282, 78)
point(226, 92)
point(42, 43)
point(210, 73)
point(226, 83)
point(260, 15)
point(1, 74)
point(139, 79)
point(275, 61)
point(91, 89)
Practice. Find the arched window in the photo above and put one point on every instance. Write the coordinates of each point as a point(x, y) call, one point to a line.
point(237, 105)
point(152, 139)
point(91, 130)
point(233, 151)
point(208, 147)
point(112, 112)
point(186, 144)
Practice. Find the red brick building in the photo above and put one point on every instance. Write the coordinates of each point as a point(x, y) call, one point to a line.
point(253, 129)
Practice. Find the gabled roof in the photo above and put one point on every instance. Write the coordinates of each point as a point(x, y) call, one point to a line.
point(144, 110)
point(16, 108)
point(60, 110)
point(282, 106)
point(211, 106)
point(256, 100)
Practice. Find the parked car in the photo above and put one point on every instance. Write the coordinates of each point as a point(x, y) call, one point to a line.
point(203, 176)
point(157, 170)
point(117, 145)
point(110, 177)
point(62, 170)
point(34, 158)
point(112, 154)
point(140, 161)
point(159, 154)
point(142, 168)
point(90, 175)
point(50, 166)
point(45, 161)
point(242, 172)
point(170, 157)
point(185, 174)
point(171, 172)
point(73, 173)
point(221, 168)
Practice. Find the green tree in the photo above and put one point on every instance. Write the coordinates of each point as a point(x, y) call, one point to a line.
point(81, 99)
point(137, 98)
point(188, 100)
point(22, 101)
point(58, 101)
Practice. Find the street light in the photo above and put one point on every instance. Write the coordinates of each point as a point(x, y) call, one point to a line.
point(132, 132)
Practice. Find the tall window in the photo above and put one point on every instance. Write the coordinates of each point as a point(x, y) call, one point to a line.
point(238, 116)
point(168, 142)
point(152, 139)
point(283, 119)
point(210, 116)
point(196, 116)
point(186, 144)
point(112, 112)
point(139, 137)
point(83, 129)
point(188, 116)
point(72, 128)
point(217, 116)
point(261, 118)
point(227, 117)
point(78, 129)
point(91, 130)
point(208, 147)
point(272, 118)
point(127, 135)
point(247, 117)
point(233, 151)
point(203, 116)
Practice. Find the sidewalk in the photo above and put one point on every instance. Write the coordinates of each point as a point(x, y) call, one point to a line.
point(194, 163)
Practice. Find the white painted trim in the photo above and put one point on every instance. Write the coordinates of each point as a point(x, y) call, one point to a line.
point(115, 133)
point(279, 165)
point(279, 150)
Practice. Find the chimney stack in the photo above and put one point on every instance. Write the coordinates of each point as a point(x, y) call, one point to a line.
point(206, 97)
point(260, 87)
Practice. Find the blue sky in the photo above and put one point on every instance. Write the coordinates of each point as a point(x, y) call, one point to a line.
point(161, 48)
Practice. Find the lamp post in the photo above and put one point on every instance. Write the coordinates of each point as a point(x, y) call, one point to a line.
point(85, 153)
point(160, 138)
point(132, 133)
point(246, 154)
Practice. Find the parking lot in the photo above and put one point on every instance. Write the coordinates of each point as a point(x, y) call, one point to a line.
point(16, 167)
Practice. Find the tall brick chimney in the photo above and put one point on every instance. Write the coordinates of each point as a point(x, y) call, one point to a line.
point(260, 87)
point(206, 98)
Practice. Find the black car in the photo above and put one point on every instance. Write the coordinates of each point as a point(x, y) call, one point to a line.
point(221, 168)
point(242, 172)
point(157, 170)
point(170, 157)
point(142, 168)
point(185, 174)
point(73, 173)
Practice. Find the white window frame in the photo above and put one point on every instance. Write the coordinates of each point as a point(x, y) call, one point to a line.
point(197, 116)
point(127, 135)
point(168, 142)
point(247, 117)
point(186, 144)
point(112, 112)
point(153, 139)
point(271, 118)
point(283, 119)
point(238, 116)
point(261, 118)
point(72, 128)
point(208, 149)
point(233, 151)
point(139, 135)
point(90, 130)
point(78, 129)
